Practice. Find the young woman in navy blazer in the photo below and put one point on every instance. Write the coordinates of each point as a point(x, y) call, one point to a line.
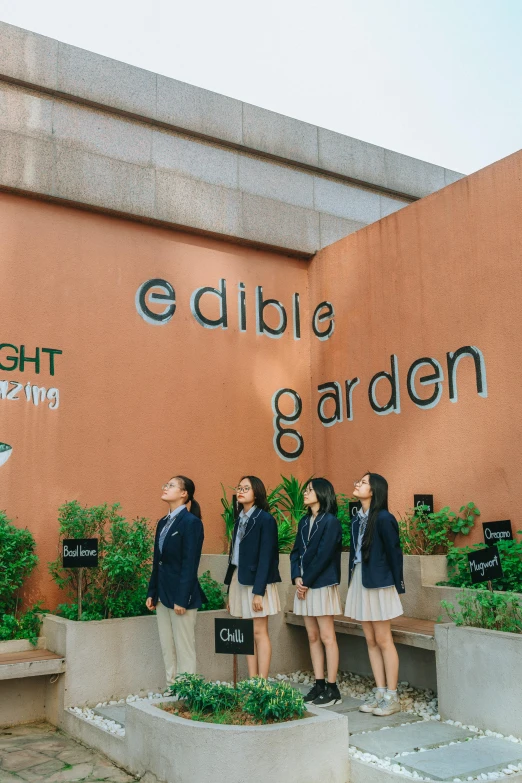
point(253, 569)
point(375, 581)
point(174, 589)
point(316, 570)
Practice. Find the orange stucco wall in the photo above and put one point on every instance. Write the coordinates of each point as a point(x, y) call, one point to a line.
point(140, 401)
point(443, 273)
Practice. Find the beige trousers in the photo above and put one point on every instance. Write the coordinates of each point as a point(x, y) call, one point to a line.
point(177, 633)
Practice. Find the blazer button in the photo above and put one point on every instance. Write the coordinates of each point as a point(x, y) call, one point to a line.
point(161, 562)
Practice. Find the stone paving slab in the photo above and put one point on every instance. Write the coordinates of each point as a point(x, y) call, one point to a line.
point(466, 759)
point(364, 721)
point(116, 713)
point(348, 704)
point(39, 753)
point(402, 739)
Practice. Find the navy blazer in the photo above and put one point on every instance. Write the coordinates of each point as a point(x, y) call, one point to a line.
point(174, 578)
point(320, 555)
point(258, 553)
point(385, 563)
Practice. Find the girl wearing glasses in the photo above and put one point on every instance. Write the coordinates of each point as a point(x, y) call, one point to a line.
point(253, 569)
point(316, 571)
point(375, 580)
point(174, 590)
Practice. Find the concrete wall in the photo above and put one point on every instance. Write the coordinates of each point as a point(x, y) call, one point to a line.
point(87, 130)
point(477, 677)
point(307, 750)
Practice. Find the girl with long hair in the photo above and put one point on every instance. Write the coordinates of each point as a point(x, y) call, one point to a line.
point(174, 589)
point(253, 569)
point(316, 571)
point(375, 580)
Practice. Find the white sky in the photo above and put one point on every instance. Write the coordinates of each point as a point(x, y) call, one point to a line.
point(436, 79)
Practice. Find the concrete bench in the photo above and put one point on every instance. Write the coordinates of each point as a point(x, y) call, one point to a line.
point(30, 663)
point(406, 630)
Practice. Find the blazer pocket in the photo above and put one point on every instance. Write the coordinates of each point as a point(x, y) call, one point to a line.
point(175, 534)
point(253, 568)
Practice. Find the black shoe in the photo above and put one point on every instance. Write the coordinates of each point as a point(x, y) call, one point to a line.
point(328, 697)
point(314, 692)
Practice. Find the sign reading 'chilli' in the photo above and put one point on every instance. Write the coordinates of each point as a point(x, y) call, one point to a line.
point(80, 552)
point(234, 637)
point(497, 531)
point(484, 565)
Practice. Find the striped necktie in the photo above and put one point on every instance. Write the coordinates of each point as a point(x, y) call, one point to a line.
point(165, 530)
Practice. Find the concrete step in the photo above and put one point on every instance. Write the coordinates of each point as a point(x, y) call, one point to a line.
point(363, 721)
point(114, 712)
point(466, 759)
point(402, 739)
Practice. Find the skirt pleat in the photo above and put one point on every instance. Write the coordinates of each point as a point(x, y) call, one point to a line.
point(318, 602)
point(364, 604)
point(240, 600)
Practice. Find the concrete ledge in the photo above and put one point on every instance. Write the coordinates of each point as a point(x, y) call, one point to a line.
point(301, 751)
point(115, 748)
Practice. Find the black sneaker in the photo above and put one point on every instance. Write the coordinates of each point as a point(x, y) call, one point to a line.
point(328, 697)
point(314, 692)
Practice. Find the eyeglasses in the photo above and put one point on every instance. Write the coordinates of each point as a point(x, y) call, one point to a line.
point(308, 490)
point(243, 489)
point(360, 482)
point(169, 486)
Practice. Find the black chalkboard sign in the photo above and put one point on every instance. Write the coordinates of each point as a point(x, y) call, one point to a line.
point(234, 637)
point(484, 565)
point(424, 500)
point(497, 531)
point(80, 552)
point(353, 507)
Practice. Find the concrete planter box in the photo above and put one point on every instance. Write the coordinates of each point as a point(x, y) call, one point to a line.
point(177, 750)
point(477, 673)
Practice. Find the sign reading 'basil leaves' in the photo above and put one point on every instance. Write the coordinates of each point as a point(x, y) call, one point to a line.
point(80, 552)
point(234, 637)
point(497, 531)
point(423, 500)
point(484, 565)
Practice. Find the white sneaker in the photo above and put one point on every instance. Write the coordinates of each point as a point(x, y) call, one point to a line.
point(371, 702)
point(388, 705)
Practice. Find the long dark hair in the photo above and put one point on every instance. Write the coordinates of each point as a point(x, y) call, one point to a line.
point(379, 502)
point(259, 493)
point(325, 496)
point(190, 488)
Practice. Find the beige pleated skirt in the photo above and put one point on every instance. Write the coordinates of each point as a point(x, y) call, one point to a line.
point(364, 604)
point(318, 602)
point(240, 599)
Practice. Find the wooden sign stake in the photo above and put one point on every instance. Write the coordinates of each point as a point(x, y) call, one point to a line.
point(235, 671)
point(490, 586)
point(80, 580)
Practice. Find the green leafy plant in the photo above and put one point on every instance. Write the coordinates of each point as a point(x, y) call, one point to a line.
point(511, 560)
point(486, 609)
point(214, 591)
point(344, 517)
point(118, 586)
point(17, 560)
point(267, 701)
point(253, 700)
point(432, 533)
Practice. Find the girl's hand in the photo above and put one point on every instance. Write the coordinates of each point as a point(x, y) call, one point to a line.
point(257, 603)
point(301, 591)
point(298, 582)
point(228, 607)
point(150, 606)
point(179, 609)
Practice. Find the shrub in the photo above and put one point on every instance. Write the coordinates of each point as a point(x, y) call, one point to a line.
point(484, 609)
point(17, 560)
point(118, 586)
point(214, 591)
point(262, 700)
point(432, 533)
point(345, 518)
point(511, 560)
point(271, 701)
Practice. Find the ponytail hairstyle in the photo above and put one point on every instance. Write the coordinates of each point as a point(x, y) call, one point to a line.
point(190, 488)
point(379, 502)
point(259, 493)
point(325, 495)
